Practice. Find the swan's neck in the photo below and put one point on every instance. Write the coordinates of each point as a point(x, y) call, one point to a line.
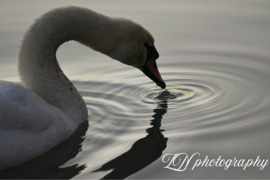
point(38, 66)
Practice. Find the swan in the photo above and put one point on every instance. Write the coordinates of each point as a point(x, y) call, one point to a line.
point(46, 109)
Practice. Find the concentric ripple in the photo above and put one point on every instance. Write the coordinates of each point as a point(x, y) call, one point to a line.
point(225, 96)
point(171, 94)
point(210, 96)
point(203, 100)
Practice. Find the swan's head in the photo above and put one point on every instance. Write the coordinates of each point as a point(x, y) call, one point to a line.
point(123, 40)
point(135, 46)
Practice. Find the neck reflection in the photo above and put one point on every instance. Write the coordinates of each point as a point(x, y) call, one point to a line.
point(144, 151)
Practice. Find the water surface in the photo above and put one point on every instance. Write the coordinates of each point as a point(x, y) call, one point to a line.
point(215, 59)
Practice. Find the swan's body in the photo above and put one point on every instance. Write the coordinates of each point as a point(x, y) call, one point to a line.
point(48, 109)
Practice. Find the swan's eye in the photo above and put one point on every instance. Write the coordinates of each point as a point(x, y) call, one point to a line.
point(151, 51)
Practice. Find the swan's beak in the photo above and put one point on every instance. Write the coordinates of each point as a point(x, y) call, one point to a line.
point(150, 69)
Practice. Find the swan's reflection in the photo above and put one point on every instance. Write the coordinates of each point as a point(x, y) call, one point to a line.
point(144, 151)
point(47, 165)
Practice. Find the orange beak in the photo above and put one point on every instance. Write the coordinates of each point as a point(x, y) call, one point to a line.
point(150, 69)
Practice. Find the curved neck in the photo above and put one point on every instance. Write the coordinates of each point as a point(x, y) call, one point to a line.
point(38, 66)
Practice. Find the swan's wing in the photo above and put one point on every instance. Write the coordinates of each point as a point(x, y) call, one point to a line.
point(29, 125)
point(23, 110)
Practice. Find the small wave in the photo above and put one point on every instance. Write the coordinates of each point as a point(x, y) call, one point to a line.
point(171, 94)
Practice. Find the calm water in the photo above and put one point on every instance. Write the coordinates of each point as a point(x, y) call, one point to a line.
point(215, 59)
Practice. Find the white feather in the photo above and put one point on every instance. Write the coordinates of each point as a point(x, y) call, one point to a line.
point(48, 109)
point(28, 125)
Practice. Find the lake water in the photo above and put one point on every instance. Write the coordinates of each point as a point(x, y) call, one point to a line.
point(215, 59)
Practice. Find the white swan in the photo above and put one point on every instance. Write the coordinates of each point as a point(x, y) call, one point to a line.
point(48, 109)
